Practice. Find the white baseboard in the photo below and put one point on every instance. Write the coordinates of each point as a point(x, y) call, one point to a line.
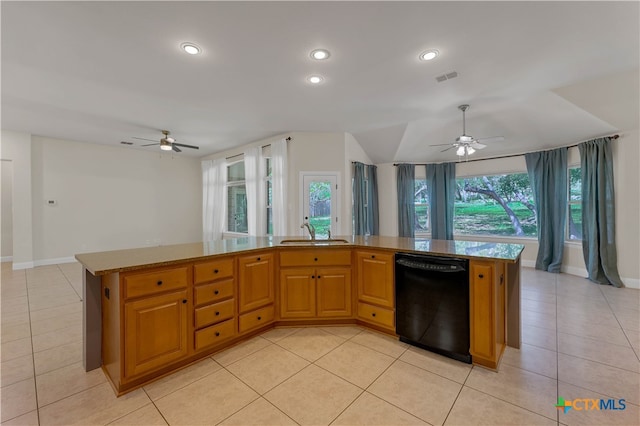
point(6, 258)
point(22, 265)
point(43, 262)
point(631, 282)
point(574, 270)
point(528, 263)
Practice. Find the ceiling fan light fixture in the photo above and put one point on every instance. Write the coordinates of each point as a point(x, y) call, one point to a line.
point(470, 150)
point(165, 146)
point(429, 55)
point(460, 151)
point(190, 48)
point(320, 54)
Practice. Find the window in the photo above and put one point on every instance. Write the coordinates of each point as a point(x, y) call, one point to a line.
point(423, 223)
point(236, 198)
point(574, 207)
point(495, 205)
point(269, 194)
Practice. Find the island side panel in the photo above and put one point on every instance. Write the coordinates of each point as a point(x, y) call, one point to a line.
point(91, 320)
point(513, 304)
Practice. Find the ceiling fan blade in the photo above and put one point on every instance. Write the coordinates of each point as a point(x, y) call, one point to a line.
point(144, 139)
point(442, 144)
point(477, 145)
point(185, 146)
point(491, 139)
point(447, 149)
point(175, 148)
point(150, 144)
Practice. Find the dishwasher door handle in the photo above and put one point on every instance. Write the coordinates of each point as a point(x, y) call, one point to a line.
point(412, 264)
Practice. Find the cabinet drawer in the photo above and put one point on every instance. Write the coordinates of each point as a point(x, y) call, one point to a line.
point(213, 292)
point(215, 334)
point(212, 314)
point(376, 315)
point(214, 270)
point(137, 285)
point(256, 318)
point(315, 257)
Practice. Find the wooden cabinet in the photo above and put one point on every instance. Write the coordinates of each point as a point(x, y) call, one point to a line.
point(309, 289)
point(376, 297)
point(487, 314)
point(256, 292)
point(155, 319)
point(214, 303)
point(155, 332)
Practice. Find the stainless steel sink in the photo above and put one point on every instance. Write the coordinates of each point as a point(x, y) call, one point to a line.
point(307, 242)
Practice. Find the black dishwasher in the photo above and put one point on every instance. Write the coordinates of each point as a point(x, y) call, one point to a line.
point(432, 303)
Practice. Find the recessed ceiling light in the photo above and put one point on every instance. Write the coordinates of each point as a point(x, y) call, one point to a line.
point(190, 48)
point(320, 54)
point(315, 79)
point(428, 55)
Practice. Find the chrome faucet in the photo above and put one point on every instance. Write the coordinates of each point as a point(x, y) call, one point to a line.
point(311, 228)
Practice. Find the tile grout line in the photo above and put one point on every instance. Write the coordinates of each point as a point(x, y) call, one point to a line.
point(33, 355)
point(69, 282)
point(557, 354)
point(618, 321)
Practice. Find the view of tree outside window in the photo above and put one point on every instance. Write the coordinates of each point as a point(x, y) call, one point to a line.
point(320, 207)
point(422, 223)
point(574, 209)
point(495, 205)
point(236, 198)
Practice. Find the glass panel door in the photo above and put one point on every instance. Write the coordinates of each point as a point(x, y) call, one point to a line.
point(319, 204)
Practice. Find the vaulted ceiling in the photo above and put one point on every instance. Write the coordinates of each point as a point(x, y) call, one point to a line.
point(541, 74)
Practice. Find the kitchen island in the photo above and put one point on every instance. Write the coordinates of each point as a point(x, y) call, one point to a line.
point(150, 311)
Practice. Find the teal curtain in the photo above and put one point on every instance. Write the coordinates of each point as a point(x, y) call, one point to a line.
point(598, 212)
point(441, 181)
point(406, 202)
point(548, 176)
point(373, 218)
point(359, 216)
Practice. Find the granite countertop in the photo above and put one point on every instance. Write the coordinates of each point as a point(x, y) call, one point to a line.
point(101, 263)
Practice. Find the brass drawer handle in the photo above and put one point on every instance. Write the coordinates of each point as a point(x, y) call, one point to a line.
point(217, 333)
point(217, 313)
point(159, 282)
point(259, 318)
point(258, 259)
point(480, 276)
point(215, 271)
point(215, 292)
point(373, 314)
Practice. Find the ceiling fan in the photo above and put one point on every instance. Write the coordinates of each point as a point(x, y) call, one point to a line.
point(167, 143)
point(466, 145)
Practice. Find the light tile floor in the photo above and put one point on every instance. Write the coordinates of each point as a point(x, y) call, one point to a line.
point(580, 340)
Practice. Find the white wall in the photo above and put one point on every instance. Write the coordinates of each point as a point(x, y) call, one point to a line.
point(17, 148)
point(6, 214)
point(106, 198)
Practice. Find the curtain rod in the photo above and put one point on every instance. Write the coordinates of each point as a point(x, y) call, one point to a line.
point(512, 155)
point(263, 146)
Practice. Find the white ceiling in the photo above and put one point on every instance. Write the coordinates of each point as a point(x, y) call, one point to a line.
point(542, 74)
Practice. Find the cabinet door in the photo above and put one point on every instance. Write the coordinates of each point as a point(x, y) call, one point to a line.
point(155, 332)
point(334, 292)
point(483, 313)
point(297, 293)
point(255, 281)
point(375, 278)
